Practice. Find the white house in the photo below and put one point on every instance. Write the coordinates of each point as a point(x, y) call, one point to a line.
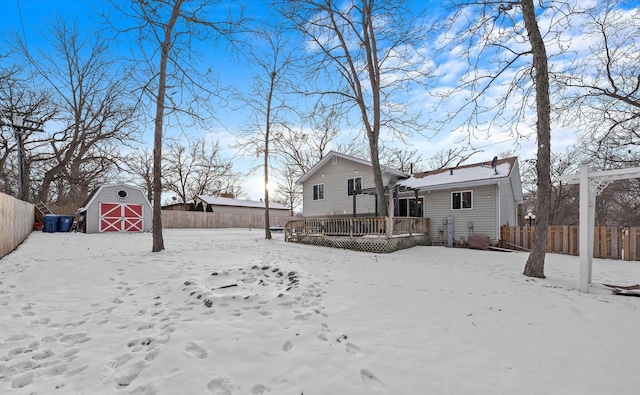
point(328, 187)
point(476, 199)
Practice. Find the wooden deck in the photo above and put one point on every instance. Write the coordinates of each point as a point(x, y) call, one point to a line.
point(372, 234)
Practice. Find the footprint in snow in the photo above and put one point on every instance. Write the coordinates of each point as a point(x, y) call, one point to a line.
point(195, 350)
point(222, 386)
point(371, 380)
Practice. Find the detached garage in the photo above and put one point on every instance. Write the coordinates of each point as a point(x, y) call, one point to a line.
point(115, 208)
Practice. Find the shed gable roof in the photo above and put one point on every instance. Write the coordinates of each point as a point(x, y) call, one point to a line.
point(96, 192)
point(334, 154)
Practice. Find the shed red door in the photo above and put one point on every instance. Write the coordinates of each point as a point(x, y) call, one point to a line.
point(120, 217)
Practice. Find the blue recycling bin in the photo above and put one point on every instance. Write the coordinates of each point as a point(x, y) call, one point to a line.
point(64, 223)
point(50, 223)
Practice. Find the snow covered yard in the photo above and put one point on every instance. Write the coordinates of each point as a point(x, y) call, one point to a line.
point(226, 312)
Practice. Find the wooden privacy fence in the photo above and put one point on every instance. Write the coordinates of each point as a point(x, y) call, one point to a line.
point(199, 219)
point(608, 242)
point(16, 222)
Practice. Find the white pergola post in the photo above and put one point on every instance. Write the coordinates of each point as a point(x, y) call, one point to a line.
point(591, 184)
point(587, 223)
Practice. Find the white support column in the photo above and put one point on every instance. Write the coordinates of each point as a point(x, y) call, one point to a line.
point(591, 184)
point(586, 256)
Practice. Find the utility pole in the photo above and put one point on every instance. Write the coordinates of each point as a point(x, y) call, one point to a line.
point(18, 127)
point(18, 122)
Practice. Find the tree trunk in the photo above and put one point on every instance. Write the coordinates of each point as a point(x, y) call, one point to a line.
point(158, 241)
point(267, 226)
point(535, 262)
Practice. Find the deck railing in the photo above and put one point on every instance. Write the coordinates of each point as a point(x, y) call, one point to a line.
point(356, 227)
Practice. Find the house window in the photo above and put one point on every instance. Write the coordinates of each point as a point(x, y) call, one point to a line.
point(318, 192)
point(409, 208)
point(462, 200)
point(354, 184)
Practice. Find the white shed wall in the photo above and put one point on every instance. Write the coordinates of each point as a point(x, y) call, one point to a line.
point(109, 194)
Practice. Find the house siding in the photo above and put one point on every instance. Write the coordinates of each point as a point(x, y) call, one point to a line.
point(109, 194)
point(483, 214)
point(507, 205)
point(334, 176)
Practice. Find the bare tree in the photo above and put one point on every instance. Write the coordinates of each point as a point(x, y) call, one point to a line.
point(367, 53)
point(195, 169)
point(140, 165)
point(273, 56)
point(508, 56)
point(171, 28)
point(602, 88)
point(302, 148)
point(287, 191)
point(90, 91)
point(535, 263)
point(450, 157)
point(564, 198)
point(23, 113)
point(405, 160)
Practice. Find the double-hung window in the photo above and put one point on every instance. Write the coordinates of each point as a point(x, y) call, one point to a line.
point(462, 200)
point(354, 185)
point(318, 192)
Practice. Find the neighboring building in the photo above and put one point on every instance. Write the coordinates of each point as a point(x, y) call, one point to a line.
point(229, 205)
point(115, 208)
point(478, 198)
point(328, 187)
point(177, 206)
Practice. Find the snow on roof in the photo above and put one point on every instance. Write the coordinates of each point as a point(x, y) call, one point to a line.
point(461, 174)
point(225, 201)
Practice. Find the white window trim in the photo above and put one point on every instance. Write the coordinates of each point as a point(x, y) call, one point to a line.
point(353, 178)
point(323, 191)
point(461, 208)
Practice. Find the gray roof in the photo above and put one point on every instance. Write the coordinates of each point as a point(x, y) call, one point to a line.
point(225, 201)
point(470, 175)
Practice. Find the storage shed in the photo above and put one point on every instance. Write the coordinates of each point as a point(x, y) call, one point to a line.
point(115, 208)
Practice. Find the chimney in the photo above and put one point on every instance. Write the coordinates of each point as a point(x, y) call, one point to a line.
point(227, 195)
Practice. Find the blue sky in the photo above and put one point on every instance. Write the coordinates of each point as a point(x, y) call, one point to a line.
point(27, 17)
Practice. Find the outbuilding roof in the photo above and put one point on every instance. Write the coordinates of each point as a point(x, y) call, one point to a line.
point(92, 195)
point(225, 201)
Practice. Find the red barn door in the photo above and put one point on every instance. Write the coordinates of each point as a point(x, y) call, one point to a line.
point(120, 217)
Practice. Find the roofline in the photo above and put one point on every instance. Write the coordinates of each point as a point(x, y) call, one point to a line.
point(245, 206)
point(96, 191)
point(512, 160)
point(331, 154)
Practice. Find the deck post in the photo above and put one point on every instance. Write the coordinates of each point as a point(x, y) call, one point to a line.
point(390, 215)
